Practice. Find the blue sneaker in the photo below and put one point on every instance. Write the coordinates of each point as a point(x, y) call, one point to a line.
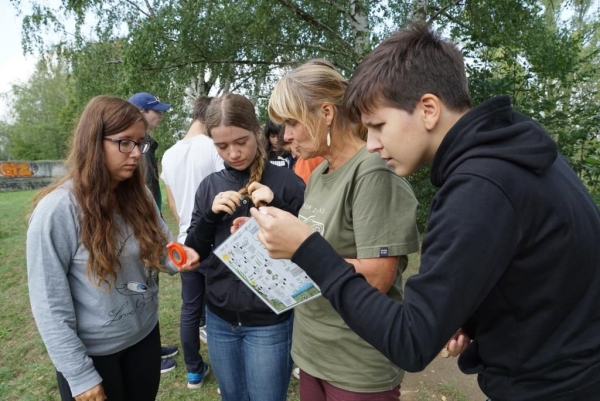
point(196, 379)
point(168, 351)
point(167, 365)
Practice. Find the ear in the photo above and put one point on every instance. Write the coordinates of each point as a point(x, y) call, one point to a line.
point(328, 111)
point(430, 107)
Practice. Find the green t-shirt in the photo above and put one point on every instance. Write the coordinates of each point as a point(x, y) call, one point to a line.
point(364, 211)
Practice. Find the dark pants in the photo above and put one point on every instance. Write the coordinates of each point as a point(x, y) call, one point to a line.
point(131, 374)
point(192, 317)
point(314, 389)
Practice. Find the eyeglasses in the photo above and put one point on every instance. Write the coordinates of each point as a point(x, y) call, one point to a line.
point(127, 145)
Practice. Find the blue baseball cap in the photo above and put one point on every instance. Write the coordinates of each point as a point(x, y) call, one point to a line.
point(147, 101)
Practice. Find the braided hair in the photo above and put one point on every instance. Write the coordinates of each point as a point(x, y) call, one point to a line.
point(238, 111)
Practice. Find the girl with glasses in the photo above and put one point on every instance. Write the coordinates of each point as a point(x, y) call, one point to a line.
point(91, 246)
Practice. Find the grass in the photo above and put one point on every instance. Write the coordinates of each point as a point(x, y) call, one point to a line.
point(443, 391)
point(26, 372)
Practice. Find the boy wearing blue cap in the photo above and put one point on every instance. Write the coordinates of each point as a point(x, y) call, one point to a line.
point(152, 109)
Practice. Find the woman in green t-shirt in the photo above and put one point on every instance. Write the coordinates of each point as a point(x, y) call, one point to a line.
point(345, 203)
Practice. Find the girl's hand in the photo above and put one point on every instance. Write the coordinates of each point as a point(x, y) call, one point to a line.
point(192, 259)
point(226, 202)
point(96, 393)
point(260, 194)
point(237, 223)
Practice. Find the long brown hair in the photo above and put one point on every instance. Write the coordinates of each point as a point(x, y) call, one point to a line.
point(91, 186)
point(232, 110)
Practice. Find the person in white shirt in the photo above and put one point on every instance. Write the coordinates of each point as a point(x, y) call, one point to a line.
point(184, 166)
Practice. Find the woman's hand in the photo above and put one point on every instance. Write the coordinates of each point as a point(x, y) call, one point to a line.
point(226, 202)
point(280, 232)
point(96, 393)
point(237, 223)
point(260, 194)
point(192, 259)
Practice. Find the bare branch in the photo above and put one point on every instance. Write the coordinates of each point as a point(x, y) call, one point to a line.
point(317, 24)
point(442, 11)
point(150, 10)
point(335, 4)
point(137, 7)
point(454, 20)
point(301, 46)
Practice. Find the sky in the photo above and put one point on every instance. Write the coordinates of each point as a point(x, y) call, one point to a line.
point(14, 66)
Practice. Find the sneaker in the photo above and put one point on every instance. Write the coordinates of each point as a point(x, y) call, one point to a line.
point(203, 334)
point(196, 379)
point(296, 373)
point(168, 352)
point(167, 365)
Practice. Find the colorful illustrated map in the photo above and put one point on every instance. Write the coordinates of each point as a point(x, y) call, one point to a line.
point(280, 283)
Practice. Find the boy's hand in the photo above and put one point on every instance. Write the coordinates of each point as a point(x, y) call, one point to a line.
point(280, 232)
point(456, 345)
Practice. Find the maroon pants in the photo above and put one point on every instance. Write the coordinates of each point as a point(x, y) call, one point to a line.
point(313, 389)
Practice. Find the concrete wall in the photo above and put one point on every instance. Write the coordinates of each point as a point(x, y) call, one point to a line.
point(19, 175)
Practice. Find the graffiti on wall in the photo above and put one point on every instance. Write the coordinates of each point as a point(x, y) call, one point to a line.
point(18, 169)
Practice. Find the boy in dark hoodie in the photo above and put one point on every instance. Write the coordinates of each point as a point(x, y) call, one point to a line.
point(511, 254)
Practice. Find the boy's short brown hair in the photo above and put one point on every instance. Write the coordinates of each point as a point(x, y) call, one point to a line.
point(200, 106)
point(410, 63)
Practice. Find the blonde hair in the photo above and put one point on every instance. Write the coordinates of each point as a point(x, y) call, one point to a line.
point(91, 186)
point(300, 94)
point(237, 111)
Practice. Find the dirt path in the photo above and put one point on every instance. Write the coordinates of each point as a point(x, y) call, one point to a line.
point(442, 380)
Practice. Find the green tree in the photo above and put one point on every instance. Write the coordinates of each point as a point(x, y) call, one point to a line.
point(37, 129)
point(179, 49)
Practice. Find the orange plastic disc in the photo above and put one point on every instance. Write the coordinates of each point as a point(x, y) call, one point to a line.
point(177, 254)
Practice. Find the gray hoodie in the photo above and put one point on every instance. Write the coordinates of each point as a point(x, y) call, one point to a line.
point(75, 318)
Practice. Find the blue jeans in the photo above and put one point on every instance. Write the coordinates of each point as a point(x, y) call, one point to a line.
point(250, 363)
point(192, 318)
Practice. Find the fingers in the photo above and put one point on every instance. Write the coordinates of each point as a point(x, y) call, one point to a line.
point(268, 211)
point(457, 344)
point(96, 393)
point(237, 223)
point(226, 202)
point(261, 196)
point(257, 215)
point(254, 186)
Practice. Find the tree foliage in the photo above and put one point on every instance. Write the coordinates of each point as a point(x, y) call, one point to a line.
point(544, 53)
point(38, 128)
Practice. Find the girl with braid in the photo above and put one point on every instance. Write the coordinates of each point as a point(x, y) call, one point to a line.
point(248, 344)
